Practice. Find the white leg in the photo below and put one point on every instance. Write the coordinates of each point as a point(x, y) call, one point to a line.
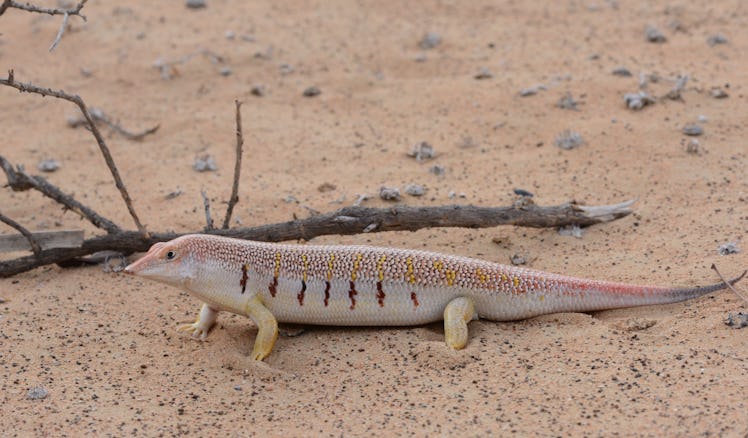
point(205, 321)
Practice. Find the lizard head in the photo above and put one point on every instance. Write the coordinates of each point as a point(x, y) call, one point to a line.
point(166, 262)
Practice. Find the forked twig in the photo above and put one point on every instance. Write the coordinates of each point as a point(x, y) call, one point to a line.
point(26, 233)
point(237, 166)
point(206, 204)
point(66, 13)
point(730, 284)
point(30, 88)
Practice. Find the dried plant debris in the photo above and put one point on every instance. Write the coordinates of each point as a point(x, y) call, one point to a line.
point(567, 102)
point(415, 190)
point(571, 231)
point(48, 165)
point(693, 129)
point(523, 193)
point(483, 73)
point(718, 93)
point(98, 116)
point(430, 40)
point(693, 147)
point(205, 163)
point(637, 101)
point(37, 393)
point(716, 39)
point(422, 151)
point(680, 84)
point(360, 199)
point(622, 71)
point(728, 248)
point(168, 68)
point(312, 92)
point(389, 193)
point(654, 35)
point(531, 91)
point(737, 320)
point(326, 187)
point(569, 140)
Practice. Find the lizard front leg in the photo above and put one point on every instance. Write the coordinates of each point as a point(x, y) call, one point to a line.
point(457, 314)
point(205, 321)
point(267, 328)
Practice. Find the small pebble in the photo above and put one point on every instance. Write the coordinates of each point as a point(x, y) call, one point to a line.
point(430, 40)
point(531, 91)
point(312, 91)
point(173, 194)
point(286, 69)
point(622, 71)
point(517, 259)
point(718, 93)
point(258, 90)
point(37, 393)
point(195, 4)
point(229, 35)
point(225, 71)
point(728, 248)
point(326, 187)
point(637, 101)
point(205, 163)
point(693, 147)
point(421, 57)
point(483, 73)
point(567, 102)
point(237, 388)
point(437, 170)
point(48, 165)
point(737, 320)
point(422, 151)
point(415, 190)
point(569, 140)
point(654, 35)
point(693, 129)
point(716, 39)
point(389, 193)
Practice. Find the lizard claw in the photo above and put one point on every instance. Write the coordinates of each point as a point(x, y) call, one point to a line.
point(198, 331)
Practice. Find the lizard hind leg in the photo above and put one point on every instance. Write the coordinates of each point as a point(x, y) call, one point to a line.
point(267, 328)
point(457, 314)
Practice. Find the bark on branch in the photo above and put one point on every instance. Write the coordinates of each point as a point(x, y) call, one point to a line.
point(349, 220)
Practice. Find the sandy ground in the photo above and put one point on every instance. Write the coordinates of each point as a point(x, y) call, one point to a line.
point(105, 348)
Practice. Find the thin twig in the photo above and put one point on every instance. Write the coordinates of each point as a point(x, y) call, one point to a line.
point(346, 221)
point(63, 25)
point(99, 116)
point(20, 181)
point(237, 166)
point(26, 233)
point(30, 88)
point(208, 219)
point(5, 5)
point(730, 283)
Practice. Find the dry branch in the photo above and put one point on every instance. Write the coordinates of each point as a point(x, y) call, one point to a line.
point(45, 240)
point(30, 88)
point(19, 181)
point(98, 115)
point(237, 166)
point(346, 221)
point(208, 219)
point(66, 13)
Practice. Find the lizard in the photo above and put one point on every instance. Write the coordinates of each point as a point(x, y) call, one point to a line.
point(351, 285)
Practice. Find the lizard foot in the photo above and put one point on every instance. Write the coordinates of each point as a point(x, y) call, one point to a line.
point(198, 331)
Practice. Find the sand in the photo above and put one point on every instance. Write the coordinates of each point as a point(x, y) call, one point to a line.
point(104, 346)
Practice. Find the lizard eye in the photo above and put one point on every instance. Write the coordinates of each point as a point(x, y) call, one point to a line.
point(170, 255)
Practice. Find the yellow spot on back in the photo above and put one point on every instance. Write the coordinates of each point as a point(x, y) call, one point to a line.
point(439, 265)
point(410, 274)
point(330, 267)
point(277, 264)
point(380, 267)
point(516, 281)
point(504, 277)
point(481, 275)
point(356, 265)
point(541, 298)
point(451, 276)
point(306, 267)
